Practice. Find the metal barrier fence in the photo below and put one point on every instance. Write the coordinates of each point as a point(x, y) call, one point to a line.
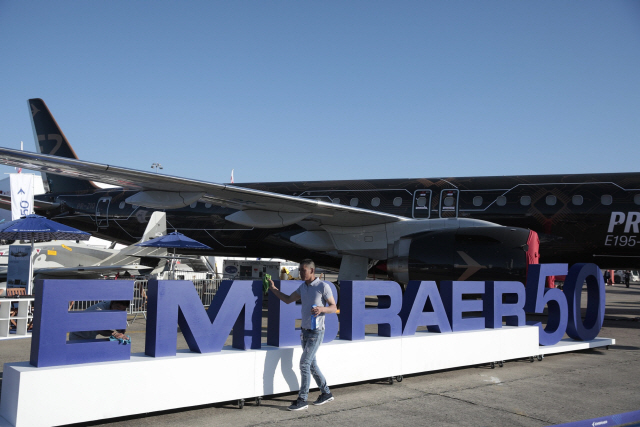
point(206, 289)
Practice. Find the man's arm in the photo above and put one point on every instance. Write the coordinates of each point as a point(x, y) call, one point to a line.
point(117, 333)
point(287, 299)
point(331, 308)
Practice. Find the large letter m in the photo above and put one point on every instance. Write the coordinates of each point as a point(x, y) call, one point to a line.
point(237, 305)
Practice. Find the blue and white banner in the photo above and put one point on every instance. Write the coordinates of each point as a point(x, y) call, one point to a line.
point(21, 195)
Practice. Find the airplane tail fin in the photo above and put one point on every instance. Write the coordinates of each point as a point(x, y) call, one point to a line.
point(50, 139)
point(156, 227)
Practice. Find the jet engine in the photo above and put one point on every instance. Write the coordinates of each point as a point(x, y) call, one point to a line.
point(476, 253)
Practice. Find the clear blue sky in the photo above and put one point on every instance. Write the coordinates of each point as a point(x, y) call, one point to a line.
point(314, 90)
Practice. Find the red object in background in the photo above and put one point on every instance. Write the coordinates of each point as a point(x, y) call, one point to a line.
point(533, 249)
point(551, 282)
point(533, 257)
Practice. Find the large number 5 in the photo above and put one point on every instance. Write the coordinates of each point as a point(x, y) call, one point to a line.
point(538, 297)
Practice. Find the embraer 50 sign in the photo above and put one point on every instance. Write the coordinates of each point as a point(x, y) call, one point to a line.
point(238, 306)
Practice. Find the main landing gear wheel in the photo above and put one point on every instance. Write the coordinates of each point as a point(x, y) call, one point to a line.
point(493, 365)
point(501, 363)
point(399, 378)
point(540, 358)
point(531, 359)
point(240, 403)
point(258, 400)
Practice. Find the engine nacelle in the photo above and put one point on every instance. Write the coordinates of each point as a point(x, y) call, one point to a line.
point(478, 253)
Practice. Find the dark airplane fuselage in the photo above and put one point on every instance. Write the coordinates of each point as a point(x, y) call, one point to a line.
point(579, 218)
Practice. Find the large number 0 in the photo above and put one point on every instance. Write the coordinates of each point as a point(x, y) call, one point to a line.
point(579, 274)
point(538, 297)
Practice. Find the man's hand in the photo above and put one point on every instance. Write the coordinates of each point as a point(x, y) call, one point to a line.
point(119, 335)
point(317, 310)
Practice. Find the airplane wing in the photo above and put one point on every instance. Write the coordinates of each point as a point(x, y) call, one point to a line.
point(90, 269)
point(191, 257)
point(256, 208)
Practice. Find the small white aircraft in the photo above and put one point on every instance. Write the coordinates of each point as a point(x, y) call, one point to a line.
point(80, 260)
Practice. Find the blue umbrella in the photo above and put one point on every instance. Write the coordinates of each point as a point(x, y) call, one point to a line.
point(36, 227)
point(173, 240)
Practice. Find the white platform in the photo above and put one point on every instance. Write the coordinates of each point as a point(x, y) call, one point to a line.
point(190, 379)
point(566, 345)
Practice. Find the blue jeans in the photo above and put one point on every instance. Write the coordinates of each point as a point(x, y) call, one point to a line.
point(311, 341)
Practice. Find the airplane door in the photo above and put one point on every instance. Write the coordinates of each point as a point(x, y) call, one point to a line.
point(102, 212)
point(422, 203)
point(449, 203)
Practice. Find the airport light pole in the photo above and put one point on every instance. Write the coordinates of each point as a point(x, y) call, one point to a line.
point(156, 166)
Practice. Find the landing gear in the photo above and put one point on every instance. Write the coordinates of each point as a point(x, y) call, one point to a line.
point(258, 400)
point(240, 403)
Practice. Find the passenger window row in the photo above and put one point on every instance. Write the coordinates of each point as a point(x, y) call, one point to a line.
point(551, 200)
point(375, 202)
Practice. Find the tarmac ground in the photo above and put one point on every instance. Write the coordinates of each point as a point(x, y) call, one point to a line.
point(560, 389)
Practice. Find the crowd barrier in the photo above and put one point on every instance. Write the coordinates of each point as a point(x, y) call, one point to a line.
point(206, 288)
point(17, 324)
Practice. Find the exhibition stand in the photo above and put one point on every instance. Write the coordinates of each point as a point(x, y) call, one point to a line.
point(78, 393)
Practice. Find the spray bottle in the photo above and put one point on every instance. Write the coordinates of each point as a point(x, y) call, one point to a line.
point(314, 320)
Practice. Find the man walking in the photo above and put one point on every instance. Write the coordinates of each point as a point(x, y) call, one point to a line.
point(314, 294)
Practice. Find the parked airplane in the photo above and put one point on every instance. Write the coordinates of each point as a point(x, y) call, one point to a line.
point(472, 228)
point(79, 260)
